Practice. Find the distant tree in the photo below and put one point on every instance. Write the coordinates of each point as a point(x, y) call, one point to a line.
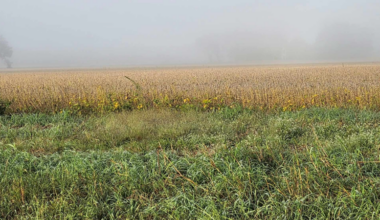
point(5, 52)
point(211, 47)
point(344, 42)
point(297, 50)
point(255, 46)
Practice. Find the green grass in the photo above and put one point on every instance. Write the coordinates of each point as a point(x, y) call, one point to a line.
point(230, 164)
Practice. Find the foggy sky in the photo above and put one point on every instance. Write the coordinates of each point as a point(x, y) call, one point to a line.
point(98, 33)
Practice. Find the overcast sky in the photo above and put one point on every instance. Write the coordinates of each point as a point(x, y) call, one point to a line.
point(99, 33)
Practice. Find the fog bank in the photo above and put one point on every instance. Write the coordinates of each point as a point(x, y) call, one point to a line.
point(49, 34)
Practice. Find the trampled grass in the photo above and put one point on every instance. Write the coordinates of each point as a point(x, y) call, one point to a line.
point(262, 87)
point(229, 164)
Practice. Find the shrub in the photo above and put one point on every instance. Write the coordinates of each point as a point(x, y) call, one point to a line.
point(3, 106)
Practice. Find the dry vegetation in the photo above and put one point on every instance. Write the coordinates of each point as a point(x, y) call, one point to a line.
point(265, 87)
point(316, 163)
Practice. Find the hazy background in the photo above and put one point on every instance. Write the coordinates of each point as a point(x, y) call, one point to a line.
point(98, 33)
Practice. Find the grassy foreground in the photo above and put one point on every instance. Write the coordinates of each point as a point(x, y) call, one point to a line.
point(230, 164)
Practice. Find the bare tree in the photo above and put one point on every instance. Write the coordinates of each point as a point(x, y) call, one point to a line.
point(5, 52)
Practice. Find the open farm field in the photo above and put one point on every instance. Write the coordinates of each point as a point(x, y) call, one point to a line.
point(209, 110)
point(262, 87)
point(264, 142)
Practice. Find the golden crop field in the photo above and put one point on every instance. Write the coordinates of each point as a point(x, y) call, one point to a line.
point(262, 87)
